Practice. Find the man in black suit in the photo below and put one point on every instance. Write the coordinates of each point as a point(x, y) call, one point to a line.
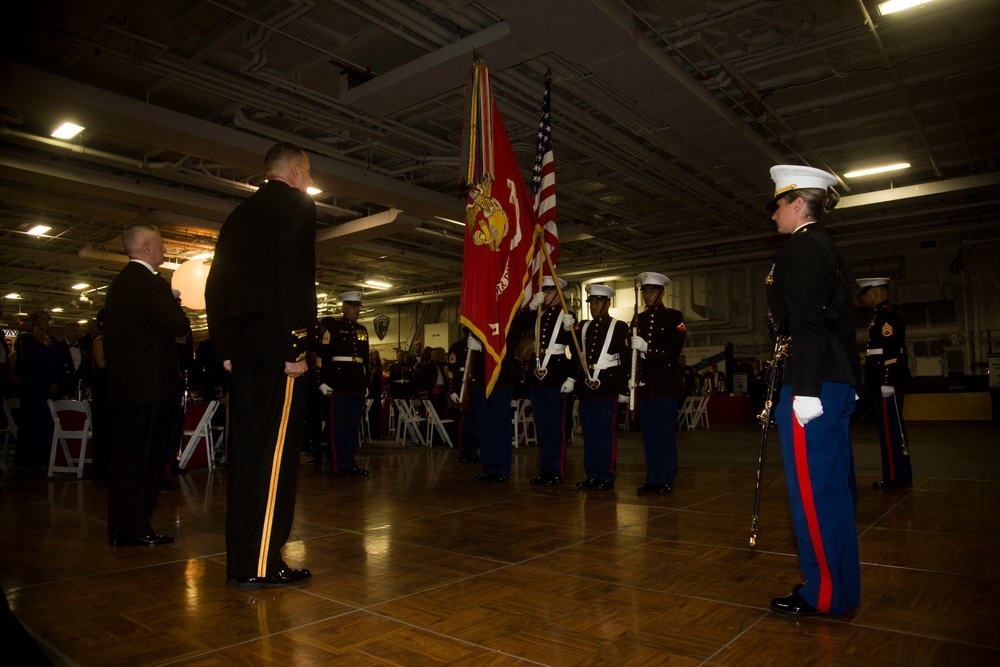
point(74, 360)
point(142, 320)
point(261, 299)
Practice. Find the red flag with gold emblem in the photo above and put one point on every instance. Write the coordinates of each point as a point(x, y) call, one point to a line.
point(499, 233)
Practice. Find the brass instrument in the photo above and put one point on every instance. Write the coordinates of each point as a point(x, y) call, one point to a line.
point(782, 349)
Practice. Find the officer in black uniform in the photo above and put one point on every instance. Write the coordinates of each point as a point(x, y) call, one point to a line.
point(887, 374)
point(551, 379)
point(343, 378)
point(493, 418)
point(661, 333)
point(401, 378)
point(604, 343)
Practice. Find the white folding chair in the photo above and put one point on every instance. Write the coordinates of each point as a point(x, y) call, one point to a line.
point(10, 406)
point(435, 423)
point(699, 412)
point(407, 422)
point(201, 435)
point(364, 428)
point(67, 428)
point(684, 413)
point(524, 423)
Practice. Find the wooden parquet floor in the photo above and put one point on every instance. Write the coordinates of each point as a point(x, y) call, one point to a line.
point(417, 565)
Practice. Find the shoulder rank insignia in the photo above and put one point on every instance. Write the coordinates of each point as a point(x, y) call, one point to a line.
point(682, 328)
point(886, 329)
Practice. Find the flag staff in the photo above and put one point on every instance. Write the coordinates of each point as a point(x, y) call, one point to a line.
point(562, 299)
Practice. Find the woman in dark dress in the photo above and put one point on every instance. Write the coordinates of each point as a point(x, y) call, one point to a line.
point(37, 370)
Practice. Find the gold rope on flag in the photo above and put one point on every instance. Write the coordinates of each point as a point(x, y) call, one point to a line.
point(477, 135)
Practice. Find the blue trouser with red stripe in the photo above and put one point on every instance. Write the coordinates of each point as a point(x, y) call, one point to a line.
point(818, 468)
point(658, 421)
point(495, 428)
point(346, 412)
point(548, 409)
point(600, 446)
point(891, 431)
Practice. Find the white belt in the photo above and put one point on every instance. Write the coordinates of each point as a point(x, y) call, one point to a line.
point(558, 348)
point(354, 359)
point(601, 365)
point(875, 350)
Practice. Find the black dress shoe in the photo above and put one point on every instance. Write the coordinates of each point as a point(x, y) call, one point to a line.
point(603, 485)
point(150, 540)
point(283, 578)
point(887, 484)
point(554, 480)
point(587, 484)
point(352, 472)
point(491, 478)
point(793, 605)
point(661, 489)
point(540, 480)
point(468, 459)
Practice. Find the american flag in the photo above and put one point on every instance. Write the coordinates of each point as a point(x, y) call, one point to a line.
point(543, 186)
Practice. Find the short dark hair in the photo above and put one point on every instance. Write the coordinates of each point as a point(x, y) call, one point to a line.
point(133, 234)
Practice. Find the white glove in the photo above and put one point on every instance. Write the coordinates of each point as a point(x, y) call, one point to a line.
point(325, 389)
point(568, 321)
point(454, 397)
point(806, 408)
point(536, 300)
point(474, 344)
point(639, 344)
point(887, 391)
point(568, 385)
point(622, 398)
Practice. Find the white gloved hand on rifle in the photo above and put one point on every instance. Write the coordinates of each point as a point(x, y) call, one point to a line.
point(474, 344)
point(568, 321)
point(639, 344)
point(888, 391)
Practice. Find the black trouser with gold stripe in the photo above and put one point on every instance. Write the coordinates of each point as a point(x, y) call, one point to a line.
point(266, 421)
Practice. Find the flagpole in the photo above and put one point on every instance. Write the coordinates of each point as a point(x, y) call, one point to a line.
point(538, 317)
point(562, 300)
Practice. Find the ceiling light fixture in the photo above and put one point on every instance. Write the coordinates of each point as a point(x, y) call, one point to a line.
point(67, 131)
point(454, 222)
point(877, 170)
point(313, 191)
point(893, 6)
point(80, 286)
point(12, 295)
point(57, 310)
point(378, 284)
point(38, 230)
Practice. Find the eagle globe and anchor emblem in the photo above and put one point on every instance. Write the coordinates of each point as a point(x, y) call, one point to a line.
point(486, 217)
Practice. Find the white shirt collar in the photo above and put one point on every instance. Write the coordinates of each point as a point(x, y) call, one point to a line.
point(144, 263)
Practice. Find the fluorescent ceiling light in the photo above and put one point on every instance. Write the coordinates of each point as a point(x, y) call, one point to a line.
point(313, 191)
point(877, 170)
point(80, 286)
point(321, 295)
point(83, 321)
point(893, 6)
point(204, 255)
point(57, 310)
point(38, 230)
point(67, 131)
point(378, 283)
point(170, 266)
point(13, 295)
point(454, 222)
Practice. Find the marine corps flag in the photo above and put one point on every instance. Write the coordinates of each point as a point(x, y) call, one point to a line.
point(499, 226)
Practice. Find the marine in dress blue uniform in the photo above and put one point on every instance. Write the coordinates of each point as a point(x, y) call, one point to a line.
point(344, 350)
point(604, 344)
point(659, 338)
point(463, 407)
point(809, 291)
point(551, 379)
point(493, 419)
point(887, 374)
